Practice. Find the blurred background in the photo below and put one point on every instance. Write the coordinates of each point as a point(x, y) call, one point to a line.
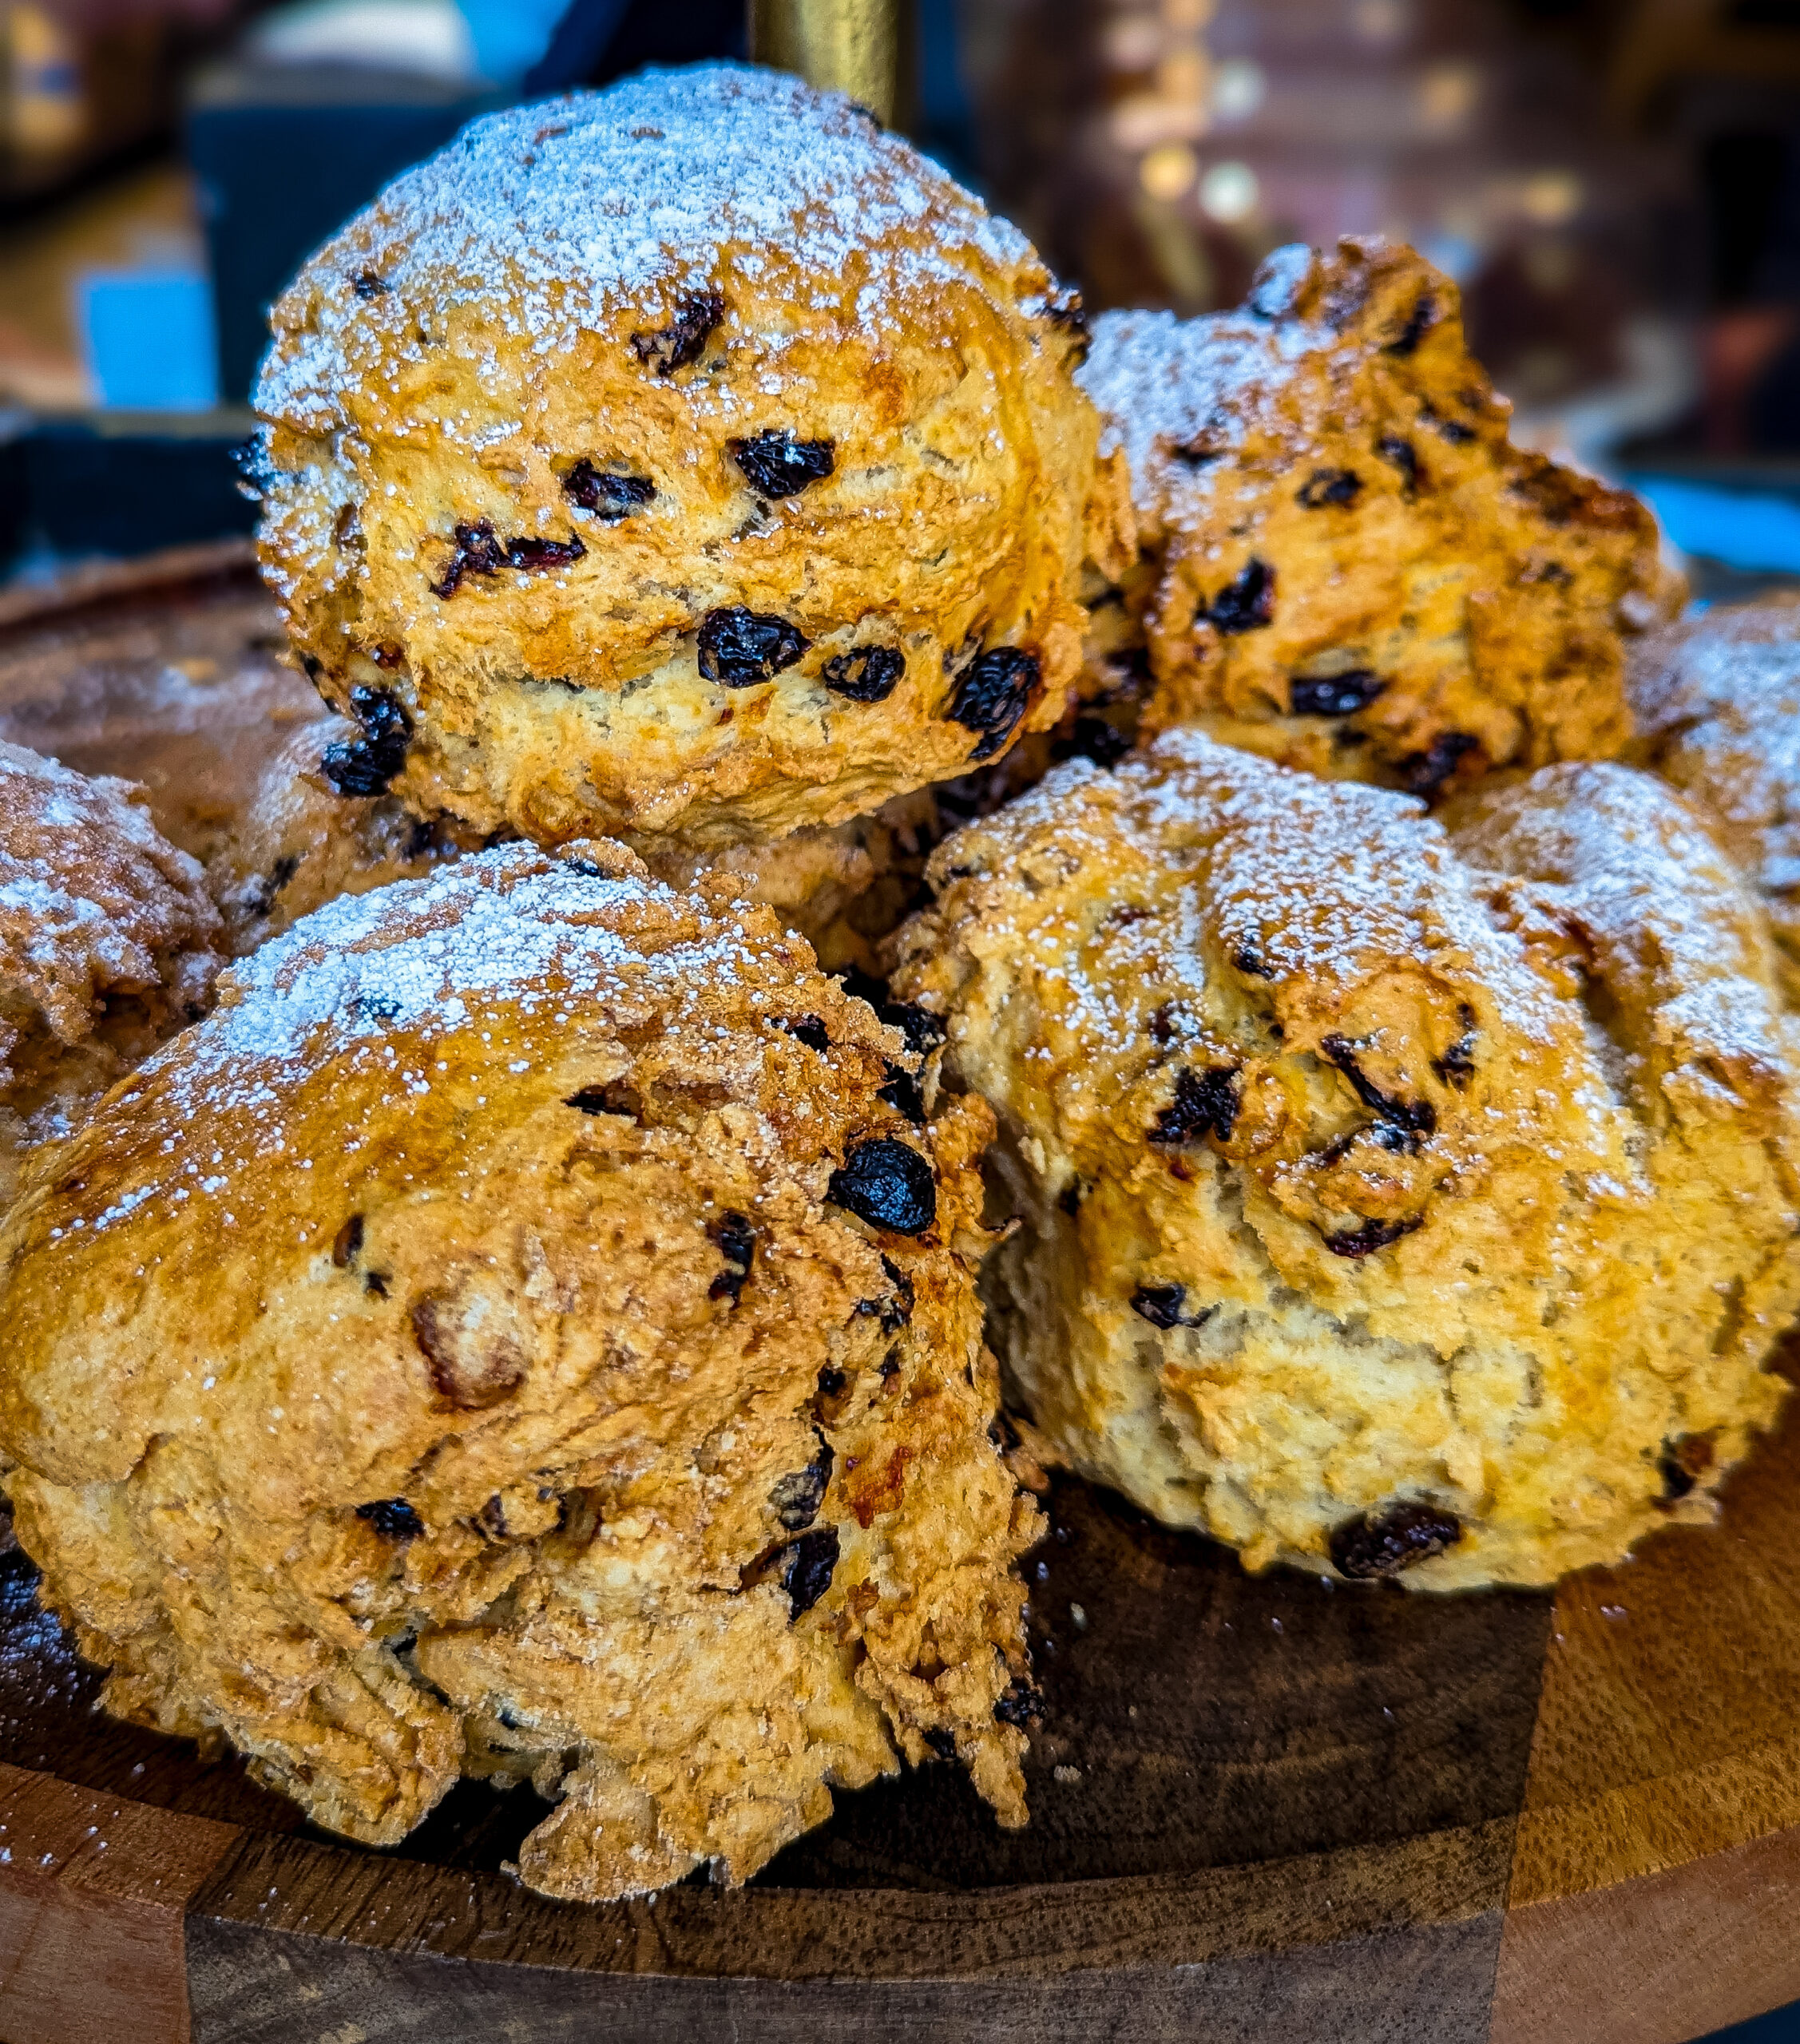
point(1615, 184)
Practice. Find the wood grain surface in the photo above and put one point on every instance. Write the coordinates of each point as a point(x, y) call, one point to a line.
point(1264, 1809)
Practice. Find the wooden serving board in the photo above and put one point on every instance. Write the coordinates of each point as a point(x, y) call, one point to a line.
point(1267, 1809)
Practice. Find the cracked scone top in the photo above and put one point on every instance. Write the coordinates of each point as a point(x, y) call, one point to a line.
point(106, 944)
point(1395, 1199)
point(688, 458)
point(1346, 565)
point(514, 1334)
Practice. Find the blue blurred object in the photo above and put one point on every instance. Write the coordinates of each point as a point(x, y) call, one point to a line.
point(149, 340)
point(510, 35)
point(1755, 530)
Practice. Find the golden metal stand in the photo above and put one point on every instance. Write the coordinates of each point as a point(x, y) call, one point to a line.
point(854, 46)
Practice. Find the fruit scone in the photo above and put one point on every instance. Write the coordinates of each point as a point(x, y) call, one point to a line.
point(689, 460)
point(1396, 1197)
point(525, 1331)
point(1716, 700)
point(107, 945)
point(1347, 566)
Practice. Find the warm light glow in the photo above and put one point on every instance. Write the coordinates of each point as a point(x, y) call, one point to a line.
point(1184, 75)
point(1447, 95)
point(1168, 171)
point(1132, 42)
point(1187, 13)
point(1550, 197)
point(1379, 21)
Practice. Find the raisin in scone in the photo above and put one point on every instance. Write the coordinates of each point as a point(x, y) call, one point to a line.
point(106, 944)
point(1395, 1199)
point(1716, 700)
point(1347, 566)
point(692, 459)
point(317, 825)
point(517, 1333)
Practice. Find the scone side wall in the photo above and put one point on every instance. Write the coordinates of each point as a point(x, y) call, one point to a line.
point(1716, 701)
point(753, 534)
point(527, 1341)
point(1347, 567)
point(1398, 1199)
point(108, 944)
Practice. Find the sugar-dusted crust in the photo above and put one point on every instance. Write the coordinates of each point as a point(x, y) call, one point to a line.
point(1716, 698)
point(1347, 566)
point(588, 325)
point(1387, 1188)
point(457, 1353)
point(106, 944)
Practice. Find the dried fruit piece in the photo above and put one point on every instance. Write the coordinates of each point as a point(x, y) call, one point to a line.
point(777, 463)
point(1372, 1235)
point(607, 492)
point(364, 765)
point(480, 551)
point(1205, 1103)
point(992, 693)
point(865, 674)
point(741, 647)
point(1246, 603)
point(1160, 1304)
point(797, 1498)
point(1385, 1542)
point(888, 1184)
point(1415, 1118)
point(667, 349)
point(1323, 486)
point(1334, 695)
point(737, 1241)
point(803, 1568)
point(392, 1518)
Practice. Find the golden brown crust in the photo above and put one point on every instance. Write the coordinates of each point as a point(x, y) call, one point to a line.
point(1716, 698)
point(1348, 567)
point(1369, 1168)
point(457, 1353)
point(299, 843)
point(584, 391)
point(106, 939)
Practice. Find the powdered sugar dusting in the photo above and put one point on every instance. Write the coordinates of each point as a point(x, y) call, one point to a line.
point(93, 899)
point(390, 974)
point(557, 217)
point(1177, 395)
point(1640, 878)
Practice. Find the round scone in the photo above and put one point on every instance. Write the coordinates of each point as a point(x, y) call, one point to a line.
point(313, 829)
point(1394, 1199)
point(1346, 565)
point(106, 944)
point(690, 458)
point(1716, 700)
point(518, 1334)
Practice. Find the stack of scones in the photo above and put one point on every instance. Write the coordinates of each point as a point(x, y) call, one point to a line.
point(543, 1311)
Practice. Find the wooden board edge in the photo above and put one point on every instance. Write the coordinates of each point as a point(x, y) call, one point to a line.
point(94, 1895)
point(1659, 1958)
point(113, 581)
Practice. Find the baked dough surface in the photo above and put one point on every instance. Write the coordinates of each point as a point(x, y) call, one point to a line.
point(106, 944)
point(1716, 698)
point(1395, 1196)
point(515, 1334)
point(1346, 565)
point(689, 459)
